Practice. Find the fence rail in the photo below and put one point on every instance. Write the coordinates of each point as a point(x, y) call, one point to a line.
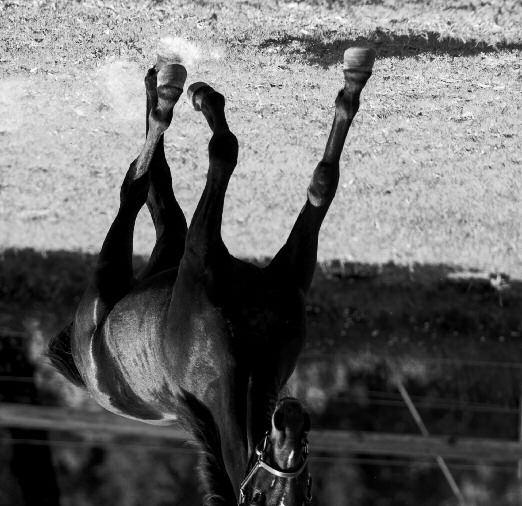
point(330, 442)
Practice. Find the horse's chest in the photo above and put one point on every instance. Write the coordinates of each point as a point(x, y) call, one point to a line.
point(272, 320)
point(202, 347)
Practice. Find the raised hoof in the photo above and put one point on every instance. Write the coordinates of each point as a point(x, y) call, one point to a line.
point(164, 85)
point(359, 59)
point(196, 93)
point(171, 75)
point(358, 64)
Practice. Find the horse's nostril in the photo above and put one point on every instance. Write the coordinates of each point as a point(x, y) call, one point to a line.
point(290, 416)
point(279, 420)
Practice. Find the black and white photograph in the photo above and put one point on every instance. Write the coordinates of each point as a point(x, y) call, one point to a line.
point(260, 253)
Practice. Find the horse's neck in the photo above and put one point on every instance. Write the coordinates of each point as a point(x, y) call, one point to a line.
point(241, 433)
point(262, 398)
point(234, 447)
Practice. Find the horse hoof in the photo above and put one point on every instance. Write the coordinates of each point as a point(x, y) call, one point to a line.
point(359, 59)
point(171, 75)
point(196, 92)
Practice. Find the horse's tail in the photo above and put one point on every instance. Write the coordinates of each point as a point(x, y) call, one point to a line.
point(60, 355)
point(215, 481)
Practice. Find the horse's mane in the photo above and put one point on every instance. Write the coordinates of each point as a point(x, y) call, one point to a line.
point(59, 353)
point(198, 420)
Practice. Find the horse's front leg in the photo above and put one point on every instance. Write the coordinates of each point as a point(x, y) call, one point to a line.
point(197, 309)
point(296, 261)
point(204, 245)
point(294, 264)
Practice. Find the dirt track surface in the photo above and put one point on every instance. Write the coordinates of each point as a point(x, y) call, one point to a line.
point(431, 173)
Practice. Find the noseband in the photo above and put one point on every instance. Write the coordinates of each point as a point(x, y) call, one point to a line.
point(262, 463)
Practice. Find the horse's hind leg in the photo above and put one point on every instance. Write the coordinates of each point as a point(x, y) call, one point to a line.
point(297, 258)
point(204, 243)
point(168, 218)
point(113, 275)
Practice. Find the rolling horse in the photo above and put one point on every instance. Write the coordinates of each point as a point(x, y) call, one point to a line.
point(201, 338)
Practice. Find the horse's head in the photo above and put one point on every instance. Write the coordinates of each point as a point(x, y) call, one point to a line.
point(278, 470)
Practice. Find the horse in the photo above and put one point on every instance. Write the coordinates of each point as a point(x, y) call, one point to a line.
point(201, 338)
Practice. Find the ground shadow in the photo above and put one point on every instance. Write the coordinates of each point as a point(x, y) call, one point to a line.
point(388, 309)
point(319, 50)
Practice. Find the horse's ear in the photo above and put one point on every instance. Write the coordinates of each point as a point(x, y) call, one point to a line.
point(60, 355)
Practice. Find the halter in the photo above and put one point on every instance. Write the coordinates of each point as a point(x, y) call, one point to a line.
point(261, 463)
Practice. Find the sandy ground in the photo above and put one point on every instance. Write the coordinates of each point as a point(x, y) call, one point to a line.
point(430, 174)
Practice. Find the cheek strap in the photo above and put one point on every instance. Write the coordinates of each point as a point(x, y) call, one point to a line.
point(261, 463)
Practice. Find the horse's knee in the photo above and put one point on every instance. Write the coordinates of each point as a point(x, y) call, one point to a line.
point(323, 186)
point(223, 149)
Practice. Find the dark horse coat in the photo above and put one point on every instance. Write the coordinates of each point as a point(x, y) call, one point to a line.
point(202, 337)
